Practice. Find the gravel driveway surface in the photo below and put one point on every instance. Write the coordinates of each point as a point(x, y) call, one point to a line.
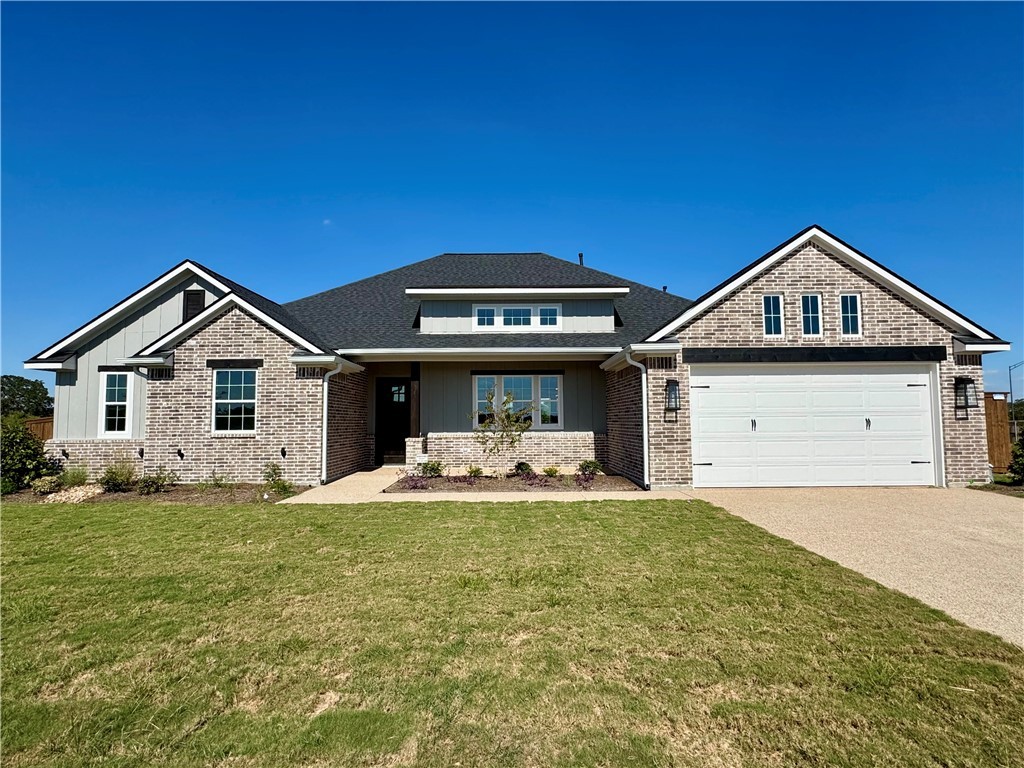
point(955, 549)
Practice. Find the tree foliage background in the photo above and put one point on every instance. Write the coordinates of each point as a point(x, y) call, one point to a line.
point(27, 397)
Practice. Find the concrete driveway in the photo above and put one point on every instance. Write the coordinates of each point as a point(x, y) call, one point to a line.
point(955, 549)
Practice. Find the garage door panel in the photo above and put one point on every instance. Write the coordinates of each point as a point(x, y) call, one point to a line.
point(812, 425)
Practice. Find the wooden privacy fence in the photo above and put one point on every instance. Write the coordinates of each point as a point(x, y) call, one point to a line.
point(41, 427)
point(997, 424)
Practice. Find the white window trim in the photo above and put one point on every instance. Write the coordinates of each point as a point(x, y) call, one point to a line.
point(129, 406)
point(499, 379)
point(821, 324)
point(534, 326)
point(782, 317)
point(214, 401)
point(860, 316)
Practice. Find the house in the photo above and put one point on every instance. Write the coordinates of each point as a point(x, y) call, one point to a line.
point(814, 365)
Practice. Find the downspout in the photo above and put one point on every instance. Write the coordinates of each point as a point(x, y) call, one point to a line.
point(323, 422)
point(643, 401)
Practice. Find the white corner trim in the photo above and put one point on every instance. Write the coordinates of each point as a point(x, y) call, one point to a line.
point(71, 364)
point(643, 403)
point(133, 300)
point(218, 307)
point(879, 273)
point(510, 291)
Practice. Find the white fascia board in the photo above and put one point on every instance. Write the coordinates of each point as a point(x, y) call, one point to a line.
point(152, 361)
point(70, 364)
point(481, 353)
point(133, 301)
point(439, 292)
point(980, 347)
point(219, 306)
point(347, 366)
point(828, 242)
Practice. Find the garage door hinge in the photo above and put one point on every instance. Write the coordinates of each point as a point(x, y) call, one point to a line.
point(702, 464)
point(919, 462)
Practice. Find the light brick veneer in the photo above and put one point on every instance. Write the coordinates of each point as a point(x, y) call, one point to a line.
point(96, 455)
point(625, 424)
point(288, 410)
point(887, 320)
point(347, 449)
point(541, 449)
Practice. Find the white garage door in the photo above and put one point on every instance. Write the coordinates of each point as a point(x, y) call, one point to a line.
point(815, 424)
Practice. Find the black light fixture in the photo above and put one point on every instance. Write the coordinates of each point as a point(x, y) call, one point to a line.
point(284, 453)
point(181, 454)
point(64, 453)
point(965, 392)
point(672, 395)
point(142, 453)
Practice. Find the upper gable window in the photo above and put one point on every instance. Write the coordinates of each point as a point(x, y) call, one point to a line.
point(849, 308)
point(517, 318)
point(511, 316)
point(484, 317)
point(772, 304)
point(810, 311)
point(548, 316)
point(194, 303)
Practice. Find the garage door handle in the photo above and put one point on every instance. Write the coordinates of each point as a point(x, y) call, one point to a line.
point(753, 425)
point(919, 462)
point(867, 424)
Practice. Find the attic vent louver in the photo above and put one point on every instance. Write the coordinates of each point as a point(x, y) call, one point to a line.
point(581, 258)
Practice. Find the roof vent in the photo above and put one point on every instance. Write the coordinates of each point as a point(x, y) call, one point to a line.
point(581, 258)
point(664, 289)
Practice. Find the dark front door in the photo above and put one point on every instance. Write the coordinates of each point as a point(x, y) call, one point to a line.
point(393, 399)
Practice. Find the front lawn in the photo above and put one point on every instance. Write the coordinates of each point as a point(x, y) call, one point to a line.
point(638, 633)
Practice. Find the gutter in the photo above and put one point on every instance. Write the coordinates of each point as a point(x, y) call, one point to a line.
point(343, 366)
point(643, 401)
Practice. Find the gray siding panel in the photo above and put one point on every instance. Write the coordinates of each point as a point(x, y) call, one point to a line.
point(578, 315)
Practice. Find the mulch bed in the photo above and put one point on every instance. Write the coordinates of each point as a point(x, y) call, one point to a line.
point(236, 493)
point(1005, 490)
point(538, 484)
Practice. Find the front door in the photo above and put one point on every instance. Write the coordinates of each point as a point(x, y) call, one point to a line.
point(393, 399)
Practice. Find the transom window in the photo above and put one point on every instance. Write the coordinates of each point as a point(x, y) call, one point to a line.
point(516, 316)
point(810, 306)
point(540, 394)
point(772, 304)
point(849, 309)
point(234, 400)
point(115, 416)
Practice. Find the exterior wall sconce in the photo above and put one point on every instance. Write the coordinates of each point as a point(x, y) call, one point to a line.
point(142, 453)
point(181, 454)
point(284, 453)
point(965, 396)
point(672, 401)
point(64, 453)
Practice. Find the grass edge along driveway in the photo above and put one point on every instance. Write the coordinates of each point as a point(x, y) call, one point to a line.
point(583, 634)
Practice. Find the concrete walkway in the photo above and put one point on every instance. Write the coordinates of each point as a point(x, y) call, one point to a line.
point(958, 550)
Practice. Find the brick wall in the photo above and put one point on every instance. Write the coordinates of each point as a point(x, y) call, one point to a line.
point(288, 410)
point(625, 451)
point(347, 449)
point(541, 449)
point(887, 319)
point(95, 455)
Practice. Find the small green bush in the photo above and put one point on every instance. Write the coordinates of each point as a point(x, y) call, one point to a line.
point(274, 477)
point(156, 482)
point(551, 471)
point(522, 468)
point(214, 481)
point(72, 477)
point(43, 486)
point(474, 471)
point(22, 458)
point(119, 476)
point(589, 467)
point(1016, 468)
point(431, 469)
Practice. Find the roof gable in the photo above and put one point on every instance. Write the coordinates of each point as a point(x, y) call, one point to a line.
point(846, 253)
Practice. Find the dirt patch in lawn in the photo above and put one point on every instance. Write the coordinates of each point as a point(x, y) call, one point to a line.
point(511, 484)
point(1005, 490)
point(201, 495)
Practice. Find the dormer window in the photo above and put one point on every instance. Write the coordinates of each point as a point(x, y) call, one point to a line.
point(513, 316)
point(549, 316)
point(517, 318)
point(484, 317)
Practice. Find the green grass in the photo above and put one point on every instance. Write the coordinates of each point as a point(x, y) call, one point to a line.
point(647, 633)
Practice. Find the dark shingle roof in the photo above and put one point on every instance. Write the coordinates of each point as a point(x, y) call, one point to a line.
point(377, 313)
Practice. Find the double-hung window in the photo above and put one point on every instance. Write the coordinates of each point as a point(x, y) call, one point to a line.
point(234, 400)
point(540, 395)
point(810, 312)
point(115, 407)
point(849, 310)
point(772, 304)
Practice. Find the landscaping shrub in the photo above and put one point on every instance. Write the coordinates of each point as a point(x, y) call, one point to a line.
point(1016, 468)
point(156, 482)
point(522, 468)
point(585, 479)
point(119, 476)
point(72, 477)
point(551, 471)
point(474, 471)
point(22, 459)
point(274, 477)
point(213, 481)
point(590, 467)
point(431, 469)
point(43, 486)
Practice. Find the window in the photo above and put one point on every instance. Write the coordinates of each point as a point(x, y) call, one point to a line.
point(772, 315)
point(810, 307)
point(115, 414)
point(540, 394)
point(398, 394)
point(549, 316)
point(849, 308)
point(194, 303)
point(516, 316)
point(484, 316)
point(234, 400)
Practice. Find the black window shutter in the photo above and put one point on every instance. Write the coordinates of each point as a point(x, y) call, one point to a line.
point(195, 302)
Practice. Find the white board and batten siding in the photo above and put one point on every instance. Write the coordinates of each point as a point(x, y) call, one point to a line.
point(814, 425)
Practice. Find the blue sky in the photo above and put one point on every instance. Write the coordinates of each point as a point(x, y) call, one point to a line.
point(298, 147)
